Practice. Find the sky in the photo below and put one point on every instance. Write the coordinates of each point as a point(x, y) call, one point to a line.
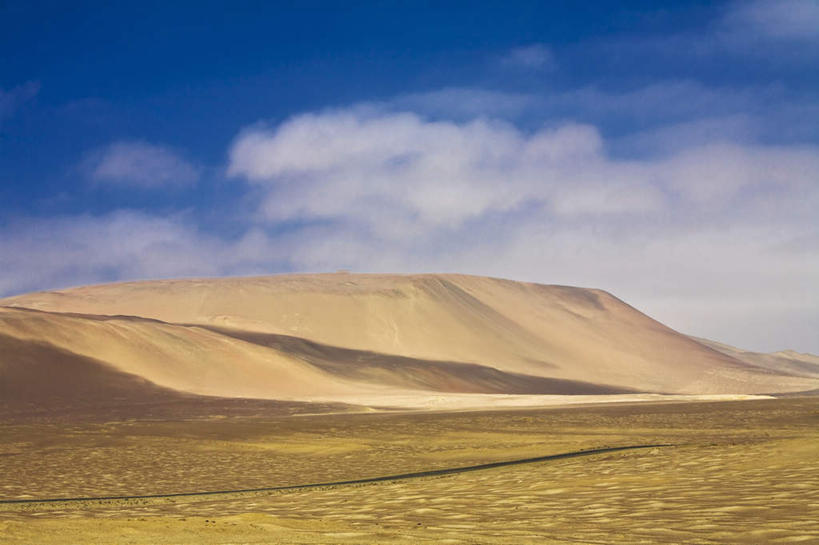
point(667, 152)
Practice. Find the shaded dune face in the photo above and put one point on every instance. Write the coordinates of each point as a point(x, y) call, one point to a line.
point(302, 337)
point(38, 379)
point(188, 359)
point(38, 375)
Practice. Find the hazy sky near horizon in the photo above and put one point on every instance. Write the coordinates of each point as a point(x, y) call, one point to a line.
point(667, 152)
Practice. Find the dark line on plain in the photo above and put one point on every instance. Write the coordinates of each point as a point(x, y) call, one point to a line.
point(399, 477)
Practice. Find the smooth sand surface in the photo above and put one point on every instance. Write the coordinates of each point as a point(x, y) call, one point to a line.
point(418, 341)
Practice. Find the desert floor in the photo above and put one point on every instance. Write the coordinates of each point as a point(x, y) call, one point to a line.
point(738, 472)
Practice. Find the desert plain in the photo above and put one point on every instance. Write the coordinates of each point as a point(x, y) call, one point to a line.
point(195, 411)
point(734, 472)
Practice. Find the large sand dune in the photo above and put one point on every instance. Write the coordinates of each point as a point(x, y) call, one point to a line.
point(372, 338)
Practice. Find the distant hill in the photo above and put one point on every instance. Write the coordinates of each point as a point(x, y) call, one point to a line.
point(785, 361)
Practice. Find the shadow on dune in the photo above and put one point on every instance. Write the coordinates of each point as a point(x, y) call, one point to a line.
point(41, 380)
point(415, 373)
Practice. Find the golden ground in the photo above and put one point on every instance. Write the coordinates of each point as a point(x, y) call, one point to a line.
point(741, 472)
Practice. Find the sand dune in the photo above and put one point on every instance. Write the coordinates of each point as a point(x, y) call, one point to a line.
point(379, 337)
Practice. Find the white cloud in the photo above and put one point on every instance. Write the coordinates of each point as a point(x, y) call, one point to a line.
point(139, 164)
point(345, 165)
point(530, 57)
point(354, 167)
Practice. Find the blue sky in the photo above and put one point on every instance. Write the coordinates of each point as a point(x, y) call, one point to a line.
point(665, 151)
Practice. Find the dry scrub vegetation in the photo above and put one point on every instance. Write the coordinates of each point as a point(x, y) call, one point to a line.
point(741, 472)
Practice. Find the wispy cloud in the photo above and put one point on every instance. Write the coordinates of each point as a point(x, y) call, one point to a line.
point(774, 19)
point(12, 99)
point(139, 164)
point(529, 57)
point(463, 103)
point(759, 40)
point(75, 250)
point(691, 109)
